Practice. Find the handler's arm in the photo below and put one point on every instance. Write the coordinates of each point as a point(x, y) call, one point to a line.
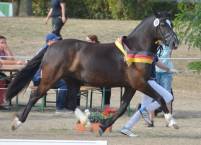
point(162, 66)
point(63, 9)
point(48, 16)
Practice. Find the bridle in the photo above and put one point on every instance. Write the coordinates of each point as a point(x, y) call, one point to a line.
point(165, 36)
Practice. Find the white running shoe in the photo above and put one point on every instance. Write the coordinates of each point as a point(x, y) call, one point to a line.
point(128, 132)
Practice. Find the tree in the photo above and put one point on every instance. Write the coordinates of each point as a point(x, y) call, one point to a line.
point(188, 23)
point(22, 7)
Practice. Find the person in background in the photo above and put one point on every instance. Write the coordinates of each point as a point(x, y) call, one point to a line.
point(6, 58)
point(6, 55)
point(5, 52)
point(61, 97)
point(58, 15)
point(94, 39)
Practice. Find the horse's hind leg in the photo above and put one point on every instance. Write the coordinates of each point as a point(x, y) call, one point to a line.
point(47, 81)
point(21, 118)
point(127, 96)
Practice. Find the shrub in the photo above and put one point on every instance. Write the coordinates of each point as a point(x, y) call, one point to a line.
point(196, 65)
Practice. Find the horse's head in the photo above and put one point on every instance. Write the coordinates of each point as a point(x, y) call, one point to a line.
point(164, 30)
point(151, 30)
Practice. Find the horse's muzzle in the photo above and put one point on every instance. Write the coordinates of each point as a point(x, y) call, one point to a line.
point(173, 41)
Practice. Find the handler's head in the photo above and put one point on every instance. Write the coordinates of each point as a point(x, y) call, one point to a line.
point(52, 38)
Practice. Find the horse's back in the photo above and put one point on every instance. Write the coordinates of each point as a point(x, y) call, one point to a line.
point(85, 61)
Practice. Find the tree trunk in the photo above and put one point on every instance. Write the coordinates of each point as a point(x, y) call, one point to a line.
point(16, 6)
point(25, 8)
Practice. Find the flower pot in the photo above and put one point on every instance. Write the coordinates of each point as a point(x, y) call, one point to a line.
point(93, 128)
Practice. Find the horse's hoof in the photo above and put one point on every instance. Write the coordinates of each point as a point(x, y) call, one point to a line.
point(16, 123)
point(175, 126)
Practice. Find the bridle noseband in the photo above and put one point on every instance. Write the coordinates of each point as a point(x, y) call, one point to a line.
point(166, 36)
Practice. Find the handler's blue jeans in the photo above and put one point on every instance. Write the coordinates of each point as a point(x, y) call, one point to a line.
point(165, 80)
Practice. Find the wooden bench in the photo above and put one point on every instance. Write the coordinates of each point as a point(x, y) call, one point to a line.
point(84, 92)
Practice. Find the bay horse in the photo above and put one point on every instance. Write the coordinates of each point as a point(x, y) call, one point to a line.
point(83, 63)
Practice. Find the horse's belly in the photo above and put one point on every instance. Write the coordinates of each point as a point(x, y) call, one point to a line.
point(98, 78)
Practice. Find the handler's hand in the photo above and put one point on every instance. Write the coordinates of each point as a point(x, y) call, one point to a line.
point(64, 19)
point(172, 70)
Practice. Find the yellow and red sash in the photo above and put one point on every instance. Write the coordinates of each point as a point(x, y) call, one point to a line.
point(133, 58)
point(141, 58)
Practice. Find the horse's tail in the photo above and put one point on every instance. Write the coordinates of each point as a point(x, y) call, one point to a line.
point(24, 76)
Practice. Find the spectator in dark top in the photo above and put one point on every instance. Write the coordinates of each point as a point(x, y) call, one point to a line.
point(61, 97)
point(59, 17)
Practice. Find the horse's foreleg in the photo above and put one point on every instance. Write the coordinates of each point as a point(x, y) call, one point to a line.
point(21, 118)
point(165, 95)
point(127, 96)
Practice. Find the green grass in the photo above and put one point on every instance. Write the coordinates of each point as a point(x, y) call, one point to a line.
point(195, 66)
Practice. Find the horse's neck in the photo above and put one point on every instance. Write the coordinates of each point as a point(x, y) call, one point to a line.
point(142, 38)
point(141, 43)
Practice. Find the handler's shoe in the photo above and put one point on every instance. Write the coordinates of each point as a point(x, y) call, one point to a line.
point(145, 115)
point(128, 132)
point(151, 125)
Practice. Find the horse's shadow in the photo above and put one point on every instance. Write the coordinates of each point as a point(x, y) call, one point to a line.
point(185, 114)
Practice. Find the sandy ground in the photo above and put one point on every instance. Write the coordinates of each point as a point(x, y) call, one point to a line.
point(26, 35)
point(46, 125)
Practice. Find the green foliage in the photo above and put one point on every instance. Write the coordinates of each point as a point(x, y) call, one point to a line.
point(76, 9)
point(196, 65)
point(108, 9)
point(188, 23)
point(99, 117)
point(117, 9)
point(40, 7)
point(98, 9)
